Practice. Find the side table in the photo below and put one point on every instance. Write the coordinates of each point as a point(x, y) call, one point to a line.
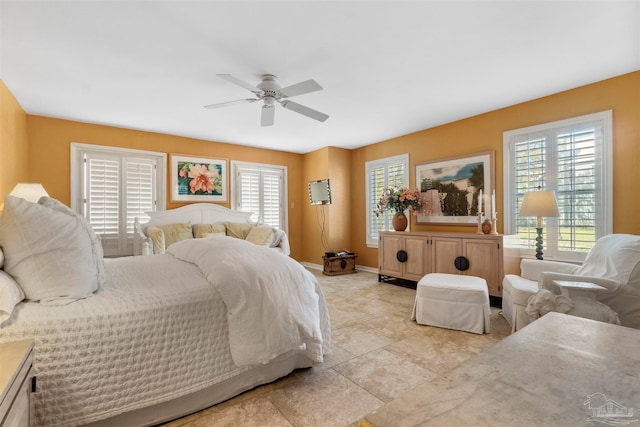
point(583, 295)
point(16, 383)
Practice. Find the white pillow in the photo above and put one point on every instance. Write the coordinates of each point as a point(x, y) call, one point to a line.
point(10, 296)
point(47, 252)
point(96, 246)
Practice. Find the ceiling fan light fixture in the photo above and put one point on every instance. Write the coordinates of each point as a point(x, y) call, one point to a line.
point(269, 92)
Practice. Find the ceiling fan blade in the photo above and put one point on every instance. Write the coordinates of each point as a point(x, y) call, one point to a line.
point(300, 88)
point(305, 111)
point(268, 113)
point(226, 104)
point(236, 81)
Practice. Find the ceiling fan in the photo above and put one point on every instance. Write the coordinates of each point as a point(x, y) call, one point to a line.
point(269, 92)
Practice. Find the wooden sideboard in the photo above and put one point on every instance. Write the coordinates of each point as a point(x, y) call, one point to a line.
point(411, 255)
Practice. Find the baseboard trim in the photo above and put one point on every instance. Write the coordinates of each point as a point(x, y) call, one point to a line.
point(315, 266)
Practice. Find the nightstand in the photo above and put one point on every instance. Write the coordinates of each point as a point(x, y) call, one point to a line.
point(16, 384)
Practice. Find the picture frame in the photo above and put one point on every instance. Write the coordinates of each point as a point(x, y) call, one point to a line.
point(451, 188)
point(198, 179)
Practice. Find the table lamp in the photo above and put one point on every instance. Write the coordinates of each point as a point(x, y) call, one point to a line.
point(29, 191)
point(539, 204)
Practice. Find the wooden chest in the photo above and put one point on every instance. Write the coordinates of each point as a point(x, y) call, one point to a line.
point(336, 265)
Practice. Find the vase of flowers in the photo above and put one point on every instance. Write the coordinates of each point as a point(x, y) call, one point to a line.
point(399, 200)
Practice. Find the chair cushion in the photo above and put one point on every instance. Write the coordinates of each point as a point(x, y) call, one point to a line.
point(519, 288)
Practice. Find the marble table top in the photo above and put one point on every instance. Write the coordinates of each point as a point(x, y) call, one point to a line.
point(560, 370)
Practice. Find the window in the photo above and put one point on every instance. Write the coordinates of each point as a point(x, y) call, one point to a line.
point(111, 187)
point(573, 158)
point(389, 172)
point(261, 190)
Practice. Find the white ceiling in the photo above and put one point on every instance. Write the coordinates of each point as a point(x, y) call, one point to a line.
point(388, 68)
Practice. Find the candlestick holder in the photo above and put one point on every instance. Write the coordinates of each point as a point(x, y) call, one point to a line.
point(479, 223)
point(494, 229)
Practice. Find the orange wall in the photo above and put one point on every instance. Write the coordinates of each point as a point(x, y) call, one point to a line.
point(49, 161)
point(14, 151)
point(484, 132)
point(315, 166)
point(340, 209)
point(333, 163)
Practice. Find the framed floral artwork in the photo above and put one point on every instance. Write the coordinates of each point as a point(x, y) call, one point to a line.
point(198, 179)
point(452, 188)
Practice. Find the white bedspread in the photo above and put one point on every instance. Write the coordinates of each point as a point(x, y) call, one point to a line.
point(272, 301)
point(156, 331)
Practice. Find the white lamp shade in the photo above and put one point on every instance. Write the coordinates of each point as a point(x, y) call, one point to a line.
point(30, 191)
point(539, 204)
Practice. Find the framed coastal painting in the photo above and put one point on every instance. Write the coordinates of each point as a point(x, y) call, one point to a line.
point(452, 188)
point(198, 179)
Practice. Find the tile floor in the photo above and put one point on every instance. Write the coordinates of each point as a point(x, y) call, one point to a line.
point(378, 355)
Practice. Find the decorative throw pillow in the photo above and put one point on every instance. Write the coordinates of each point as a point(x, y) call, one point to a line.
point(238, 230)
point(157, 239)
point(175, 233)
point(10, 296)
point(47, 252)
point(199, 230)
point(261, 235)
point(96, 246)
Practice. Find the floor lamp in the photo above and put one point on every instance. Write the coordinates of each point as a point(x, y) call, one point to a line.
point(539, 204)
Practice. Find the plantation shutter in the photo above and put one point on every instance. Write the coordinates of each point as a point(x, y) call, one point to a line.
point(140, 191)
point(102, 198)
point(114, 186)
point(261, 192)
point(577, 186)
point(249, 194)
point(377, 181)
point(571, 159)
point(530, 166)
point(271, 185)
point(390, 172)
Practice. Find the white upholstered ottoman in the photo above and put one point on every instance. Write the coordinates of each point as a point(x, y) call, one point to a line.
point(453, 301)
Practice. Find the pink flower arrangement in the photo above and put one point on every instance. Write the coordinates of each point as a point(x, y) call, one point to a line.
point(399, 200)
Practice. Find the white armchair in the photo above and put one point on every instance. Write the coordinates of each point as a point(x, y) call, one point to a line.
point(613, 262)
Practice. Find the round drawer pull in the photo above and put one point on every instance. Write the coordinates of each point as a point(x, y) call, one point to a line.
point(402, 256)
point(461, 263)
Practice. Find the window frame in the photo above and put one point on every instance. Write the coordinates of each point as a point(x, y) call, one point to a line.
point(78, 182)
point(237, 166)
point(603, 188)
point(371, 241)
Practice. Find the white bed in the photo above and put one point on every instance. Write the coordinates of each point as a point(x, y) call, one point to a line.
point(196, 213)
point(153, 342)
